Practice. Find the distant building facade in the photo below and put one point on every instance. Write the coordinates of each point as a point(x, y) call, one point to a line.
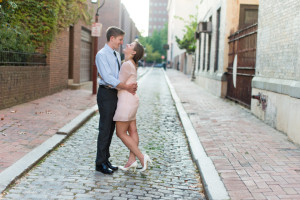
point(158, 15)
point(131, 31)
point(213, 53)
point(177, 57)
point(114, 13)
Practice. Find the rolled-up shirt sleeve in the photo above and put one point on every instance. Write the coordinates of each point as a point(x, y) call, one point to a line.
point(105, 71)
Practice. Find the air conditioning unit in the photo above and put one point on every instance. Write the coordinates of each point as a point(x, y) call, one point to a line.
point(204, 27)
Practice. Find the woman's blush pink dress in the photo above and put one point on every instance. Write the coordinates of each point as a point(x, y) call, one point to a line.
point(127, 103)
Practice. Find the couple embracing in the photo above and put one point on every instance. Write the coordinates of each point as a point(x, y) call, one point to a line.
point(117, 101)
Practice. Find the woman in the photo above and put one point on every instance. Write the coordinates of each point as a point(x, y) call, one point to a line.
point(125, 115)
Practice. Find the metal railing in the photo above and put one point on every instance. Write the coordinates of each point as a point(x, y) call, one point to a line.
point(21, 59)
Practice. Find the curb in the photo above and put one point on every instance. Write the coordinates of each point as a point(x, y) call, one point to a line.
point(78, 121)
point(15, 171)
point(214, 187)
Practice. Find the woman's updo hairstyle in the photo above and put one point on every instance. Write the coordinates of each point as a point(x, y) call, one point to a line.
point(139, 49)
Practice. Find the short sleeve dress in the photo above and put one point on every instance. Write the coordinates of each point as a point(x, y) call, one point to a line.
point(127, 103)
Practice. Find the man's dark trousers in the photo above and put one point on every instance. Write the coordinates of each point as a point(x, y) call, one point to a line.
point(107, 103)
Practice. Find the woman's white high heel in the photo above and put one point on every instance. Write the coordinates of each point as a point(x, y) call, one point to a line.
point(146, 160)
point(133, 165)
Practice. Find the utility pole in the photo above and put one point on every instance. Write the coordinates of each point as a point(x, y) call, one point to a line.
point(96, 49)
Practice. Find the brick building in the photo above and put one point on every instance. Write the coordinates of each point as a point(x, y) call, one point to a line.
point(277, 76)
point(113, 13)
point(69, 61)
point(131, 31)
point(158, 15)
point(219, 20)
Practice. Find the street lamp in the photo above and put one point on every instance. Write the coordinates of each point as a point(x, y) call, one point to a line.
point(96, 49)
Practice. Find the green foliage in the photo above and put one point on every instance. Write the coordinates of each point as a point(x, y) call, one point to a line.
point(154, 44)
point(41, 20)
point(188, 42)
point(16, 40)
point(7, 9)
point(151, 54)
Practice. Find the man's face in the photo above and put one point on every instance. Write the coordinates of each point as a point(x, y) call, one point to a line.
point(117, 41)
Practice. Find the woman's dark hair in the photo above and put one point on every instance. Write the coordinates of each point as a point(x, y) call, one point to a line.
point(139, 49)
point(113, 31)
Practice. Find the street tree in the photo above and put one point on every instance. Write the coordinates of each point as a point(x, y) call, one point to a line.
point(154, 44)
point(188, 42)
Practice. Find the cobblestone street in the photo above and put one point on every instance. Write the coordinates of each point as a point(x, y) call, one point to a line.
point(68, 172)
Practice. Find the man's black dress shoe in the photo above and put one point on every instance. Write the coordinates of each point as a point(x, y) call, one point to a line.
point(104, 169)
point(111, 166)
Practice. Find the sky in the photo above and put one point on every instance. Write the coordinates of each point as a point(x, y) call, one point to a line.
point(139, 13)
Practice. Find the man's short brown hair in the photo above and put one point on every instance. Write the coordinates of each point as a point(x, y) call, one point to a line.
point(113, 31)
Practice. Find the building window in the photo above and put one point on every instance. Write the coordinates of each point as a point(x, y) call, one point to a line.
point(199, 52)
point(209, 48)
point(204, 52)
point(217, 39)
point(248, 15)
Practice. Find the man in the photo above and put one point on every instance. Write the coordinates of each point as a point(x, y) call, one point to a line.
point(108, 65)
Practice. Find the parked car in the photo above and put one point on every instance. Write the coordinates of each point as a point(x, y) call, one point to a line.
point(140, 63)
point(158, 65)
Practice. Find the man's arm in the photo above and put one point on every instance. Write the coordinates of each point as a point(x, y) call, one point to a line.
point(129, 87)
point(105, 70)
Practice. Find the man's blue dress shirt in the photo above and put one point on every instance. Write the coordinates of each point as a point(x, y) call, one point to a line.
point(107, 66)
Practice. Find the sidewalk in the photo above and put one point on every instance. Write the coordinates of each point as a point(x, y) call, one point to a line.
point(24, 127)
point(253, 160)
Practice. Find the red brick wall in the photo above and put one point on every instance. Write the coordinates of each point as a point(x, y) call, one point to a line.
point(59, 62)
point(20, 84)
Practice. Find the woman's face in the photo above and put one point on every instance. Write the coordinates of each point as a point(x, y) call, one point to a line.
point(129, 50)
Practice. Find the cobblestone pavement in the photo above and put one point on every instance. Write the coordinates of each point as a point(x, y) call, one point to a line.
point(24, 127)
point(68, 172)
point(254, 160)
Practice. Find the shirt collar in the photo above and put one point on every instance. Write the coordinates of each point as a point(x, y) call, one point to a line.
point(109, 48)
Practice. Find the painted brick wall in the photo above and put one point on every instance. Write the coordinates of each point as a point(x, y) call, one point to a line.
point(278, 41)
point(20, 84)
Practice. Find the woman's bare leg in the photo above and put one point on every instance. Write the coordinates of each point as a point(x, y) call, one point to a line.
point(132, 130)
point(121, 129)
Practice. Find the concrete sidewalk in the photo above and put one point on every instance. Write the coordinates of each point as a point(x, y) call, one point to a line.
point(253, 160)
